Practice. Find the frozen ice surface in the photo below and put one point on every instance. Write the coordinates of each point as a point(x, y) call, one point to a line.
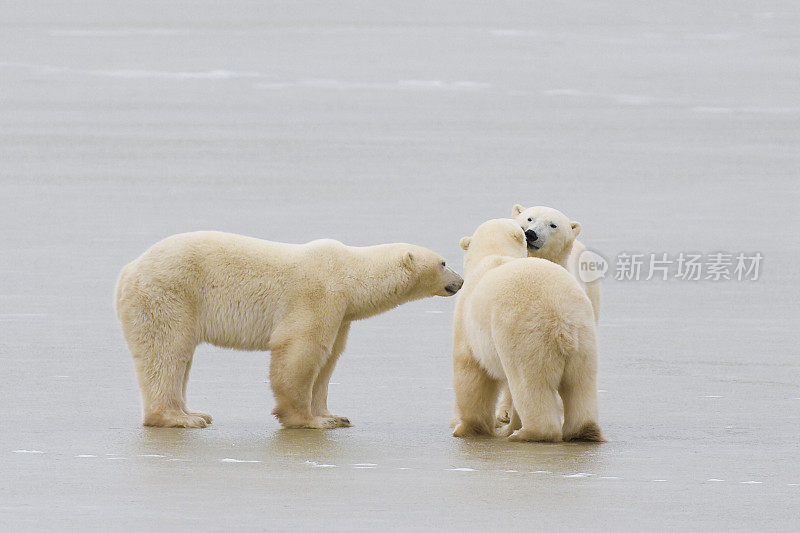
point(315, 464)
point(660, 126)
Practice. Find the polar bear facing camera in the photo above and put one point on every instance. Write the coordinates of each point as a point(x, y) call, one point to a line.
point(296, 300)
point(524, 322)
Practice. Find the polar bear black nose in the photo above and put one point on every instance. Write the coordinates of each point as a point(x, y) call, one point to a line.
point(531, 235)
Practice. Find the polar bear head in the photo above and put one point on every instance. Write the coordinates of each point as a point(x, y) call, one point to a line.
point(548, 232)
point(429, 272)
point(499, 236)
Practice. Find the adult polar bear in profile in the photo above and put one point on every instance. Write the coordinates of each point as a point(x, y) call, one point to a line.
point(296, 300)
point(524, 322)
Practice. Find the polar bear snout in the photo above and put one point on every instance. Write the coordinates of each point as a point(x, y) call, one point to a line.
point(533, 239)
point(453, 287)
point(453, 282)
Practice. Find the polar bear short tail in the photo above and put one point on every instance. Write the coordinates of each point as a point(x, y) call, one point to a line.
point(566, 336)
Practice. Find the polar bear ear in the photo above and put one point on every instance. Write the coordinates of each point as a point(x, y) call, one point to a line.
point(464, 242)
point(576, 227)
point(516, 210)
point(408, 259)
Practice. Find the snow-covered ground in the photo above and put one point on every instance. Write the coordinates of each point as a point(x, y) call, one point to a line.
point(661, 128)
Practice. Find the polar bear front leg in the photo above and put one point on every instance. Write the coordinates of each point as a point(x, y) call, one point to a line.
point(319, 395)
point(535, 402)
point(205, 416)
point(293, 369)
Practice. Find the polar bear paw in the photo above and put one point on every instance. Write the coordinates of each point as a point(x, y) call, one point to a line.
point(315, 422)
point(503, 417)
point(472, 429)
point(175, 419)
point(205, 416)
point(318, 422)
point(341, 421)
point(505, 431)
point(531, 435)
point(589, 432)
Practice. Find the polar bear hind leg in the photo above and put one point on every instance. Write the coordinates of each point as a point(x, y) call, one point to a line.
point(160, 329)
point(533, 378)
point(578, 390)
point(205, 416)
point(162, 370)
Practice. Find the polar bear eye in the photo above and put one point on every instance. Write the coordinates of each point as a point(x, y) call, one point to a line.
point(443, 263)
point(553, 226)
point(530, 219)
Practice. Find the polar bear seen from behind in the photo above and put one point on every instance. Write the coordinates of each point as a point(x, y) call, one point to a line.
point(296, 300)
point(524, 322)
point(551, 235)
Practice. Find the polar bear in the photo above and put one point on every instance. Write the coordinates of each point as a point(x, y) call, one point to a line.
point(551, 235)
point(524, 322)
point(296, 300)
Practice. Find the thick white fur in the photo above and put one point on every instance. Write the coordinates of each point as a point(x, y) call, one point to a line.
point(524, 322)
point(555, 248)
point(297, 300)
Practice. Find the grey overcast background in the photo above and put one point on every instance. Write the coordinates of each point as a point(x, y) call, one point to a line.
point(660, 126)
